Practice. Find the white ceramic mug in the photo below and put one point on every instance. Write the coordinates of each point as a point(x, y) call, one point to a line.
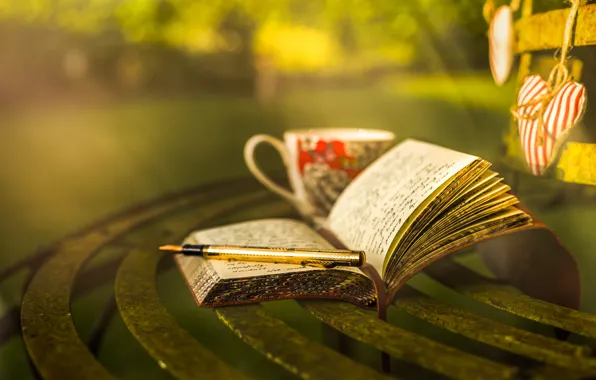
point(319, 162)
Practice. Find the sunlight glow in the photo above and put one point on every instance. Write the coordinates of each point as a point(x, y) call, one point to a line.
point(297, 48)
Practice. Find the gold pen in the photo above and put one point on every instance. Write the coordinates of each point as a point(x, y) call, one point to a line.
point(326, 258)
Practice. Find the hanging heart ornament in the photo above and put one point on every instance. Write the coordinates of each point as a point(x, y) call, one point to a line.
point(501, 40)
point(544, 120)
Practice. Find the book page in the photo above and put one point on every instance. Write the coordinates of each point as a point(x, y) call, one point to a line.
point(286, 233)
point(377, 204)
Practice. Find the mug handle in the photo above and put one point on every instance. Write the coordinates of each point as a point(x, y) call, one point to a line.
point(249, 149)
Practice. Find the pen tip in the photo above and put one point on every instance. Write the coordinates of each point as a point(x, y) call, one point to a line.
point(176, 248)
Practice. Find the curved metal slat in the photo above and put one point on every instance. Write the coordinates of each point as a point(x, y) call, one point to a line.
point(483, 289)
point(406, 345)
point(513, 301)
point(145, 315)
point(10, 321)
point(48, 328)
point(290, 349)
point(518, 341)
point(555, 373)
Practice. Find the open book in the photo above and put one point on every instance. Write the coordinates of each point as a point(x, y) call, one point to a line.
point(412, 206)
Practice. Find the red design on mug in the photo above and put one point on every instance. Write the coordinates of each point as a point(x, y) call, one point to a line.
point(331, 153)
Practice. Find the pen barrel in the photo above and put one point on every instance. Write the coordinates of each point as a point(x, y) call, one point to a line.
point(307, 257)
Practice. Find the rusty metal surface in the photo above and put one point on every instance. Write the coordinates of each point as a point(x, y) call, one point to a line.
point(145, 315)
point(531, 345)
point(290, 349)
point(545, 30)
point(48, 329)
point(404, 344)
point(503, 297)
point(578, 163)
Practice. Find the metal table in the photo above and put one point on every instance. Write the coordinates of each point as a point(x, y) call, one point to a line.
point(61, 273)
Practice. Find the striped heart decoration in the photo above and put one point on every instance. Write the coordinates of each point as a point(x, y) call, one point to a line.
point(501, 38)
point(541, 140)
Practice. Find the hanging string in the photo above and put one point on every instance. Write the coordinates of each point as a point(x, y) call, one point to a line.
point(559, 76)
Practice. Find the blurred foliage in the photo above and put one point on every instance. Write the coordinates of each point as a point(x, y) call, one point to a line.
point(297, 34)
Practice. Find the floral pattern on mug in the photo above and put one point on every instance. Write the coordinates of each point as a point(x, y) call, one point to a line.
point(329, 153)
point(327, 167)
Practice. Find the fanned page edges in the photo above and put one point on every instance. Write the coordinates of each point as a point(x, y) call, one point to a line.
point(212, 286)
point(470, 208)
point(431, 209)
point(492, 219)
point(550, 280)
point(211, 291)
point(557, 283)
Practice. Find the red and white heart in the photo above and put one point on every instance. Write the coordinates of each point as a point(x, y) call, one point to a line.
point(501, 38)
point(563, 112)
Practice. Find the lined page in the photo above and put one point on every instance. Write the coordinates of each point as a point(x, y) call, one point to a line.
point(286, 233)
point(371, 210)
